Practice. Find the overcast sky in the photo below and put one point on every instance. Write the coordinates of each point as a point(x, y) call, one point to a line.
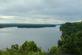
point(40, 11)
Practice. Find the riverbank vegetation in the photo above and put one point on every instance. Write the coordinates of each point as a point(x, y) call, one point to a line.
point(71, 40)
point(70, 43)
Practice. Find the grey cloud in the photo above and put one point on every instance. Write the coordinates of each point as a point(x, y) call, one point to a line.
point(65, 9)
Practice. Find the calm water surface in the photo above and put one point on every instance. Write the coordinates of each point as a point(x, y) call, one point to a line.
point(43, 37)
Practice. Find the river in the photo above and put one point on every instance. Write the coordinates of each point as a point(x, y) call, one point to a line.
point(43, 37)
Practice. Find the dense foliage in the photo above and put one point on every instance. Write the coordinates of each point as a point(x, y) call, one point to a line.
point(28, 48)
point(71, 40)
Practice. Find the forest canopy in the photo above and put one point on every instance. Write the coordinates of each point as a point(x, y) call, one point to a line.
point(71, 40)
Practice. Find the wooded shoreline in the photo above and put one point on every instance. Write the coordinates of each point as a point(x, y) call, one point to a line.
point(69, 44)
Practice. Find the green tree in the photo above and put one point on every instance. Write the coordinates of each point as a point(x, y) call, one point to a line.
point(71, 39)
point(54, 51)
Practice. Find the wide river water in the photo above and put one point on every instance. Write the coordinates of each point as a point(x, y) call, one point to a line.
point(45, 38)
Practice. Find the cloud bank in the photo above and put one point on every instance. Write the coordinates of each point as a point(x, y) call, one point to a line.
point(40, 11)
